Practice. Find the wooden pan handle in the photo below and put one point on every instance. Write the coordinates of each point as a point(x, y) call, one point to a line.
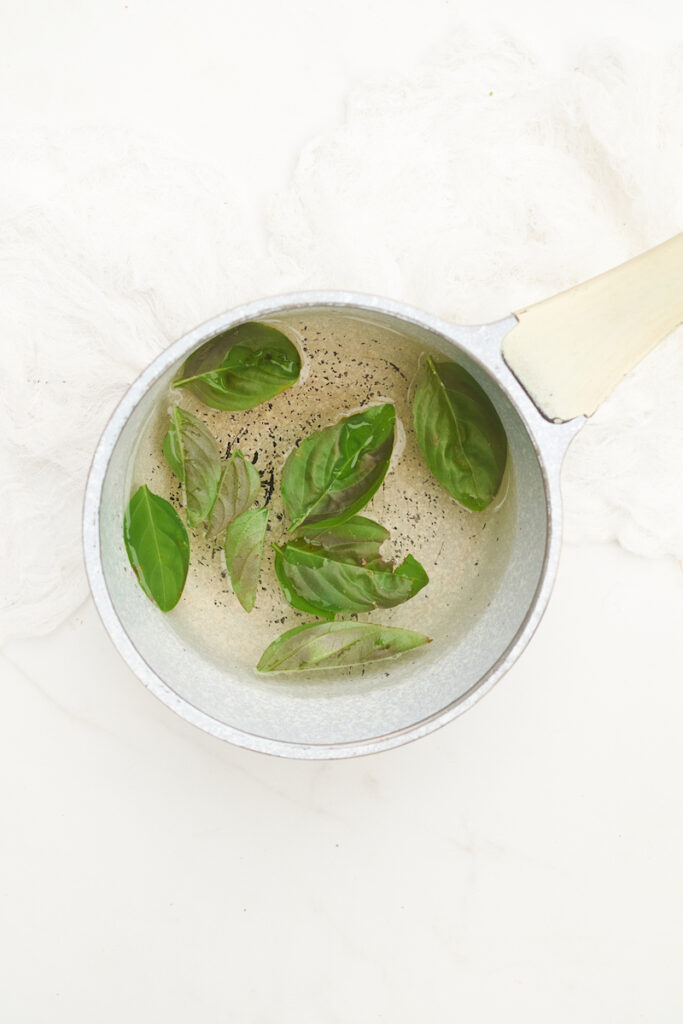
point(570, 352)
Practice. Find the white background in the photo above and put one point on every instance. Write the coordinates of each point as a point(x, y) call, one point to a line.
point(524, 864)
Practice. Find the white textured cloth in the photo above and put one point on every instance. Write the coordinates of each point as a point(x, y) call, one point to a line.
point(473, 186)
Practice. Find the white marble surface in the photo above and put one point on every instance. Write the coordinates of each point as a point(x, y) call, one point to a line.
point(522, 864)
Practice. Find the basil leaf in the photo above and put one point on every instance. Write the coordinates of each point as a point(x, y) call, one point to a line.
point(327, 581)
point(239, 484)
point(460, 434)
point(336, 644)
point(157, 546)
point(244, 552)
point(358, 537)
point(241, 368)
point(191, 452)
point(334, 472)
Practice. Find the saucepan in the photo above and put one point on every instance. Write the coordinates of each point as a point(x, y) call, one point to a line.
point(545, 369)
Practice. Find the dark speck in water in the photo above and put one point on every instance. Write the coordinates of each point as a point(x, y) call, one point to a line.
point(395, 367)
point(268, 481)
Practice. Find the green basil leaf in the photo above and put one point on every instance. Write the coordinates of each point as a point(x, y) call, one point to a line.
point(244, 540)
point(460, 433)
point(334, 472)
point(241, 368)
point(335, 645)
point(358, 538)
point(237, 490)
point(329, 581)
point(191, 452)
point(157, 546)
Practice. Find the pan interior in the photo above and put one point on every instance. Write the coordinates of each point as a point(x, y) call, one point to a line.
point(484, 568)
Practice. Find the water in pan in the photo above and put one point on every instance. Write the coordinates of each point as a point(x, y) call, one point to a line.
point(348, 363)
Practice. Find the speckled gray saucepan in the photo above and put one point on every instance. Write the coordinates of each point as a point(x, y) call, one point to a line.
point(545, 369)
